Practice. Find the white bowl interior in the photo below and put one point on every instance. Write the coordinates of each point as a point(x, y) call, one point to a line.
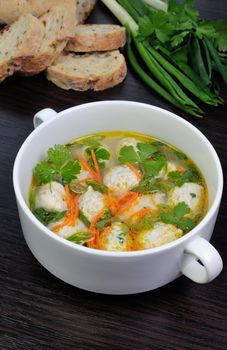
point(119, 115)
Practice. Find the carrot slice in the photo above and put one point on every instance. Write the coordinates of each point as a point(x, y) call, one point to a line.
point(132, 197)
point(97, 169)
point(111, 202)
point(92, 243)
point(89, 169)
point(96, 233)
point(67, 196)
point(134, 170)
point(122, 203)
point(73, 210)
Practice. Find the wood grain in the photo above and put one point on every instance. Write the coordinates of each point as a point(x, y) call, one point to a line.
point(38, 311)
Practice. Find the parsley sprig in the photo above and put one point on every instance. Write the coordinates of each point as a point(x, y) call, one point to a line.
point(175, 217)
point(179, 179)
point(59, 165)
point(147, 156)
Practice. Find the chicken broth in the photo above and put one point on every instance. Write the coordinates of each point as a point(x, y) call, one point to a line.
point(118, 191)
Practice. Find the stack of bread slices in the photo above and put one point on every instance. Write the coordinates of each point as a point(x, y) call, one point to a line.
point(50, 36)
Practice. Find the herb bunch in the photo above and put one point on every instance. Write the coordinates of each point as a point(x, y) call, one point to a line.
point(182, 55)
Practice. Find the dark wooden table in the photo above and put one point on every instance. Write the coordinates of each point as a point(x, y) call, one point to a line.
point(38, 311)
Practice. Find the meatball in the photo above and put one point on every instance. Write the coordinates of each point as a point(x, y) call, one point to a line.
point(51, 196)
point(116, 239)
point(159, 235)
point(190, 193)
point(120, 179)
point(68, 231)
point(91, 203)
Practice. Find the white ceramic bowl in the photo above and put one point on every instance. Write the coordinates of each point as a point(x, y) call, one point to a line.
point(123, 272)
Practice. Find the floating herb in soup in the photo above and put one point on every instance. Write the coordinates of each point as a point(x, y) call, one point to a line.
point(118, 191)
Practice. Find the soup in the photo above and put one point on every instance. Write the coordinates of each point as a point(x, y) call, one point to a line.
point(118, 191)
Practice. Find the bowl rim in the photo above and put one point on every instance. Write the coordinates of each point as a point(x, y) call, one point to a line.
point(211, 212)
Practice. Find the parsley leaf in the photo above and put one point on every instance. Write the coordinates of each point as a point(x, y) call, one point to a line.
point(168, 218)
point(176, 178)
point(147, 156)
point(206, 28)
point(58, 156)
point(128, 154)
point(153, 167)
point(186, 225)
point(151, 184)
point(175, 217)
point(146, 150)
point(190, 175)
point(179, 38)
point(69, 170)
point(146, 28)
point(59, 165)
point(162, 26)
point(45, 172)
point(180, 210)
point(48, 216)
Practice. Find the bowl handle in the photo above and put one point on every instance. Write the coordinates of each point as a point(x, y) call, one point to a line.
point(211, 262)
point(43, 116)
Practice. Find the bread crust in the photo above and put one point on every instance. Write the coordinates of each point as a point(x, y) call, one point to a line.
point(26, 49)
point(49, 53)
point(91, 40)
point(93, 82)
point(84, 9)
point(40, 62)
point(10, 10)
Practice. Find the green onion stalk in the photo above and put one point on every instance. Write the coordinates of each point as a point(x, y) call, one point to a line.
point(160, 69)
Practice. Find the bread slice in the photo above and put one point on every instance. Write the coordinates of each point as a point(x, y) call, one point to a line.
point(97, 37)
point(18, 43)
point(59, 23)
point(10, 10)
point(83, 9)
point(94, 71)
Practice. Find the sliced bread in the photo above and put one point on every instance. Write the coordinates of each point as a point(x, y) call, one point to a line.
point(83, 9)
point(95, 71)
point(10, 10)
point(18, 43)
point(97, 37)
point(59, 23)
